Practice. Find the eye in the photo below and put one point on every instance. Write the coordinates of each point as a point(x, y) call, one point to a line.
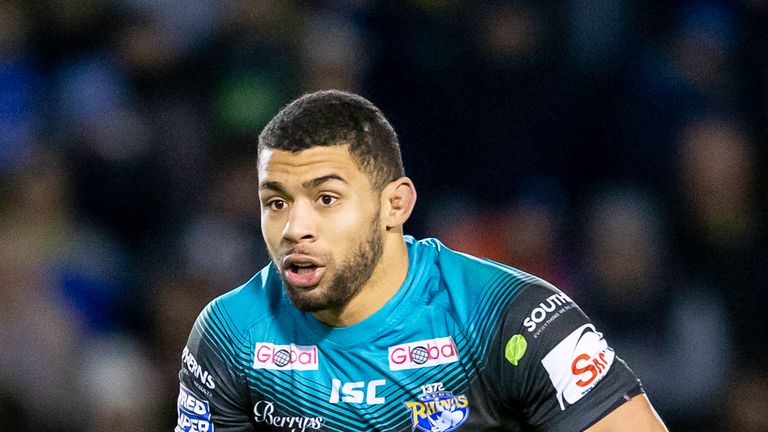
point(327, 200)
point(277, 204)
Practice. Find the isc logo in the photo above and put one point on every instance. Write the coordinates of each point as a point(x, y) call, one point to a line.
point(356, 392)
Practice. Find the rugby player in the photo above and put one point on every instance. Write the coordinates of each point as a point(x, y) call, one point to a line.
point(354, 326)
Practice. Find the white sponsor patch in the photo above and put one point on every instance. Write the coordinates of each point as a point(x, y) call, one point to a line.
point(194, 413)
point(578, 363)
point(285, 357)
point(424, 353)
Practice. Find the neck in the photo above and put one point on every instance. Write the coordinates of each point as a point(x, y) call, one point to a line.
point(385, 282)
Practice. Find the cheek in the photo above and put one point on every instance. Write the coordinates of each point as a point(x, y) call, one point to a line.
point(349, 233)
point(271, 231)
point(351, 225)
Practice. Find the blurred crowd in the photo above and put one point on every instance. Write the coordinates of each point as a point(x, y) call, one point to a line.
point(618, 150)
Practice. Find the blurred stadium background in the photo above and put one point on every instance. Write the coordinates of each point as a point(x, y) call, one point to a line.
point(615, 149)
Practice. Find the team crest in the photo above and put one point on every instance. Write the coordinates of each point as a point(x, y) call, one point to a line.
point(438, 410)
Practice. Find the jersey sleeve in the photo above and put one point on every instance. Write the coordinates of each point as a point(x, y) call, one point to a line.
point(555, 366)
point(212, 394)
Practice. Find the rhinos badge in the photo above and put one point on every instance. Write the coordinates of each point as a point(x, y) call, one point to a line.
point(438, 411)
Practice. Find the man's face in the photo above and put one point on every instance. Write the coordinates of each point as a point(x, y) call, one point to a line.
point(320, 221)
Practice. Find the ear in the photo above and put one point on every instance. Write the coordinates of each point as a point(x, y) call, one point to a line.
point(397, 201)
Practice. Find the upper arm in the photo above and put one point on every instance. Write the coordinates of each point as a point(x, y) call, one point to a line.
point(211, 392)
point(635, 415)
point(565, 375)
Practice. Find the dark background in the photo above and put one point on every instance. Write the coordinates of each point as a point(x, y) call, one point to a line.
point(616, 149)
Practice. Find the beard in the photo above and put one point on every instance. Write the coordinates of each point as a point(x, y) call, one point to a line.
point(348, 279)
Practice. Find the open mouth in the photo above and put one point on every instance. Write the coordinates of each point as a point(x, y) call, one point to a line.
point(302, 272)
point(302, 267)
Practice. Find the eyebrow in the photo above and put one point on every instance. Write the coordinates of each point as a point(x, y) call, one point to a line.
point(273, 185)
point(309, 184)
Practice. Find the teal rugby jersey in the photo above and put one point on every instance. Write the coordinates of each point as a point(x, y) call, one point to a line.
point(466, 344)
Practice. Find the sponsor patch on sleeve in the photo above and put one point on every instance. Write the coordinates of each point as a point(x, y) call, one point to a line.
point(194, 413)
point(578, 363)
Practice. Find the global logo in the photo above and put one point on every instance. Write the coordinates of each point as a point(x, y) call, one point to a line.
point(285, 357)
point(423, 353)
point(282, 358)
point(419, 355)
point(438, 410)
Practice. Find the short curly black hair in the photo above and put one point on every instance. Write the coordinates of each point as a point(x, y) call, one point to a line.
point(333, 117)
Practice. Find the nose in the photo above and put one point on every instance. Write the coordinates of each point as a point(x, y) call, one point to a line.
point(300, 225)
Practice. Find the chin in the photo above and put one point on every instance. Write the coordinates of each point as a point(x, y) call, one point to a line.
point(307, 299)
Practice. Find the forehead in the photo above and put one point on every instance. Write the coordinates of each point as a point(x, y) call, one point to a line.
point(285, 166)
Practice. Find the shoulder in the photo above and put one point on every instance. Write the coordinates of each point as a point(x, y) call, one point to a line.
point(230, 317)
point(459, 269)
point(467, 284)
